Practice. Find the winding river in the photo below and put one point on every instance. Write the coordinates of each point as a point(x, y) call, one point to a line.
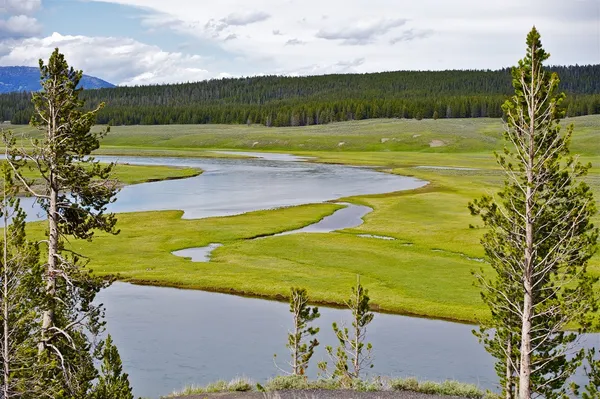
point(169, 338)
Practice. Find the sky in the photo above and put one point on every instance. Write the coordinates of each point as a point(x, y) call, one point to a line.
point(138, 42)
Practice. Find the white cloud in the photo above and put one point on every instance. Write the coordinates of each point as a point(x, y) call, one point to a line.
point(19, 26)
point(411, 34)
point(294, 42)
point(117, 60)
point(245, 18)
point(462, 34)
point(238, 39)
point(20, 7)
point(16, 20)
point(235, 19)
point(361, 33)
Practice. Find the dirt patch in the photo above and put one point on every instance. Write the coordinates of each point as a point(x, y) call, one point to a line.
point(437, 143)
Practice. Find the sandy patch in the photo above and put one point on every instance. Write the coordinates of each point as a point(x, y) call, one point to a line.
point(436, 143)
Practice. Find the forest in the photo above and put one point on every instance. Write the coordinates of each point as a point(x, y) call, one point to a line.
point(312, 100)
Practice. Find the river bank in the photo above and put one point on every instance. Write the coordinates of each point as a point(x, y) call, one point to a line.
point(320, 394)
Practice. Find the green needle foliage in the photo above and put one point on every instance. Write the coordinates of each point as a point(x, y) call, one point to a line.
point(352, 347)
point(539, 240)
point(74, 192)
point(315, 100)
point(301, 351)
point(592, 389)
point(592, 371)
point(20, 293)
point(113, 383)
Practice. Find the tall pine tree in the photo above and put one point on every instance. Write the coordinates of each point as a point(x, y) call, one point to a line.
point(539, 239)
point(74, 192)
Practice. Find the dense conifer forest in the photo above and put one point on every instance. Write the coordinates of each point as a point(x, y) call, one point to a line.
point(300, 101)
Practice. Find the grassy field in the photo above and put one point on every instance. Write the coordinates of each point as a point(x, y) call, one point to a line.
point(135, 174)
point(375, 135)
point(426, 271)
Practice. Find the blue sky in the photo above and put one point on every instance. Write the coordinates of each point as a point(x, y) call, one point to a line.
point(132, 42)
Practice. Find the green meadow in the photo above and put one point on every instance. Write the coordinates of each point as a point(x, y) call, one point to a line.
point(133, 174)
point(425, 271)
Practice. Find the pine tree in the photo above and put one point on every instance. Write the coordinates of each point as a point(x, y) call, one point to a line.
point(74, 193)
point(539, 239)
point(592, 371)
point(112, 383)
point(301, 352)
point(352, 347)
point(20, 289)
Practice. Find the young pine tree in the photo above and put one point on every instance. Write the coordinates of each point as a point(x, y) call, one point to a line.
point(539, 239)
point(112, 383)
point(352, 347)
point(301, 351)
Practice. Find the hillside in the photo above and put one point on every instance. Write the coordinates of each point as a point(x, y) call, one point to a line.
point(300, 101)
point(27, 79)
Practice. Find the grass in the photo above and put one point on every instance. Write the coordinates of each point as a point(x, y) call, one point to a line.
point(240, 384)
point(448, 388)
point(377, 384)
point(426, 271)
point(377, 135)
point(133, 174)
point(142, 252)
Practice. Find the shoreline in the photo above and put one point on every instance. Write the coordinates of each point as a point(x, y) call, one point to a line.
point(356, 200)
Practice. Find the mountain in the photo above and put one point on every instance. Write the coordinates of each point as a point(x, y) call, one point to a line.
point(20, 78)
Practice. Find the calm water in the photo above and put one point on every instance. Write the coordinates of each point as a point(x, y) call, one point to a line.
point(349, 216)
point(169, 338)
point(234, 186)
point(216, 336)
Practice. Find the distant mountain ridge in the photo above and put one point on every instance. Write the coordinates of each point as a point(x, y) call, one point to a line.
point(21, 78)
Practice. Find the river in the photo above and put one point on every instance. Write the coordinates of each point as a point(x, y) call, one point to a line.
point(169, 338)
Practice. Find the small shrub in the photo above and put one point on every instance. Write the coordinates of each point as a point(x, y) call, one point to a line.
point(429, 387)
point(449, 388)
point(287, 382)
point(217, 386)
point(293, 382)
point(186, 391)
point(328, 384)
point(374, 385)
point(405, 384)
point(455, 388)
point(240, 384)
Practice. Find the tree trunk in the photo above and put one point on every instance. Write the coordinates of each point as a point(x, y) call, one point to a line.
point(5, 311)
point(296, 343)
point(48, 315)
point(525, 367)
point(525, 373)
point(356, 343)
point(509, 370)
